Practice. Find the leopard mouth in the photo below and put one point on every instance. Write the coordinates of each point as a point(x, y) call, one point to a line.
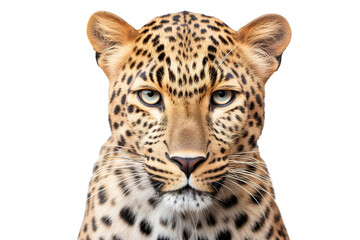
point(187, 189)
point(187, 199)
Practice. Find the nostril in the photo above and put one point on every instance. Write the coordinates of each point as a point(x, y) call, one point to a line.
point(188, 165)
point(198, 162)
point(181, 166)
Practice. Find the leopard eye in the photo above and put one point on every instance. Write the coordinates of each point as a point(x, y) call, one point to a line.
point(222, 97)
point(149, 97)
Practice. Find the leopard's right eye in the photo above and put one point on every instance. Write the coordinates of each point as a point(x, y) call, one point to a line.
point(149, 98)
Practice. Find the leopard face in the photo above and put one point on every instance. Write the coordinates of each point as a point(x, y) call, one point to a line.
point(186, 96)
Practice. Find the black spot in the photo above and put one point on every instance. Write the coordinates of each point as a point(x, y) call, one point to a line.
point(93, 224)
point(270, 232)
point(212, 49)
point(186, 234)
point(251, 141)
point(228, 76)
point(85, 228)
point(252, 105)
point(106, 220)
point(259, 194)
point(159, 75)
point(240, 220)
point(213, 74)
point(243, 80)
point(116, 237)
point(223, 40)
point(168, 29)
point(172, 39)
point(259, 224)
point(112, 96)
point(147, 38)
point(123, 99)
point(122, 141)
point(156, 27)
point(222, 150)
point(139, 65)
point(130, 108)
point(162, 237)
point(229, 202)
point(97, 56)
point(168, 61)
point(211, 56)
point(214, 41)
point(223, 235)
point(245, 134)
point(160, 48)
point(172, 76)
point(211, 220)
point(128, 133)
point(150, 24)
point(176, 18)
point(235, 72)
point(205, 60)
point(202, 74)
point(213, 28)
point(102, 195)
point(117, 109)
point(240, 148)
point(127, 215)
point(145, 227)
point(258, 100)
point(153, 202)
point(155, 40)
point(161, 56)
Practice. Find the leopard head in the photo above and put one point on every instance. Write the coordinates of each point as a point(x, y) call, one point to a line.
point(187, 93)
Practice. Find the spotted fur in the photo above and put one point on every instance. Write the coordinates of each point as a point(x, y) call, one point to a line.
point(184, 168)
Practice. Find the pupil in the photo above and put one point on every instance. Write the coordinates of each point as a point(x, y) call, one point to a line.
point(150, 93)
point(222, 94)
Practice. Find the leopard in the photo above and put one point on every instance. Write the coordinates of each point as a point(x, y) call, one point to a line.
point(186, 110)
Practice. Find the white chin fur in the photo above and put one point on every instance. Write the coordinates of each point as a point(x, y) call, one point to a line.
point(186, 201)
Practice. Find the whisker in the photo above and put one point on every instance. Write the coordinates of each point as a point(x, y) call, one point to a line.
point(254, 164)
point(262, 196)
point(127, 178)
point(121, 159)
point(109, 168)
point(250, 174)
point(127, 152)
point(242, 153)
point(236, 184)
point(236, 168)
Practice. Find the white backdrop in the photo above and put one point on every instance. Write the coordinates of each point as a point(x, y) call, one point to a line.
point(53, 100)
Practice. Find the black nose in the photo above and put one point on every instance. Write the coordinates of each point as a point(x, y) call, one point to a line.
point(188, 165)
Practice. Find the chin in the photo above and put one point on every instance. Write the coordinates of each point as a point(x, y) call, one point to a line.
point(187, 199)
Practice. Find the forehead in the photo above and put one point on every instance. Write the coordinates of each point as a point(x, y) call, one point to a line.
point(185, 53)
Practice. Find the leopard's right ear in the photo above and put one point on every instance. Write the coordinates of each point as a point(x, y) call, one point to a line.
point(107, 32)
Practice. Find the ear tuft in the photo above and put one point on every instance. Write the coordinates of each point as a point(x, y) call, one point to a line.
point(266, 38)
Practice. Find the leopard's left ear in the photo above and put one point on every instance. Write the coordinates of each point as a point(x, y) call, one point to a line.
point(107, 34)
point(265, 39)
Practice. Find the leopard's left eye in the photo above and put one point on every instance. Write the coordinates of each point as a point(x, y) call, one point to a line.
point(222, 97)
point(149, 97)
